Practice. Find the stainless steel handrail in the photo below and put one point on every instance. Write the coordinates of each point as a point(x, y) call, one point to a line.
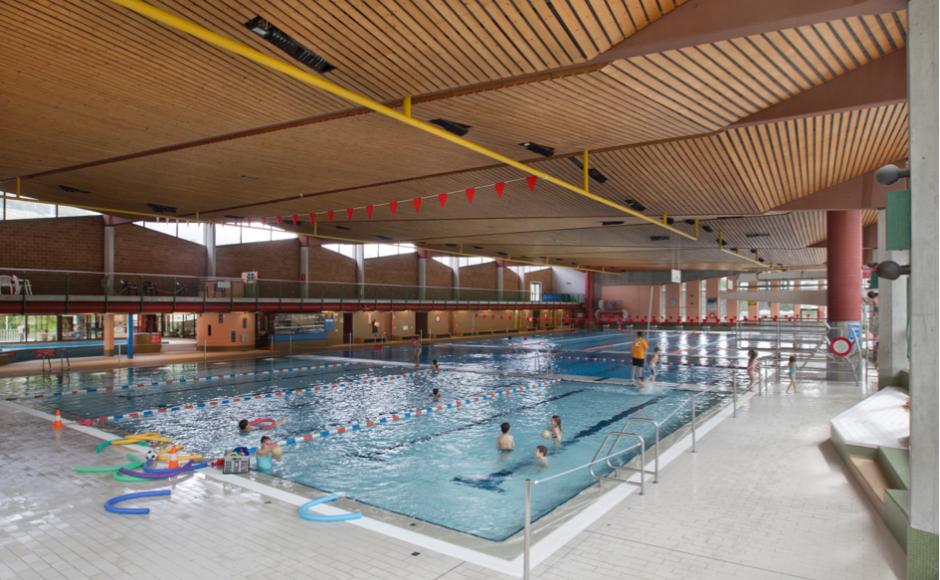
point(656, 426)
point(609, 456)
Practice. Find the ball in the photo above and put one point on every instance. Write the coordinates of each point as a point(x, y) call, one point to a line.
point(151, 455)
point(546, 434)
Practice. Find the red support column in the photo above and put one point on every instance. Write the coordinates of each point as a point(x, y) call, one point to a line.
point(844, 265)
point(589, 298)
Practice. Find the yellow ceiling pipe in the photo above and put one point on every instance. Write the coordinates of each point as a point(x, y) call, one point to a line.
point(587, 181)
point(206, 35)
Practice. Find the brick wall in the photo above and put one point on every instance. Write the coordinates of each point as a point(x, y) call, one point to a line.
point(544, 276)
point(137, 249)
point(75, 243)
point(277, 260)
point(511, 281)
point(330, 266)
point(479, 276)
point(439, 274)
point(394, 270)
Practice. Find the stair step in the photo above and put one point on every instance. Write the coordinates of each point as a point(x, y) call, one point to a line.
point(896, 464)
point(872, 478)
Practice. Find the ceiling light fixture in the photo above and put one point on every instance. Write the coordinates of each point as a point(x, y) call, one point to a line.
point(592, 172)
point(543, 150)
point(286, 43)
point(454, 127)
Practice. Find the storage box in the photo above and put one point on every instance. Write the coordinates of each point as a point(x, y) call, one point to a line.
point(236, 464)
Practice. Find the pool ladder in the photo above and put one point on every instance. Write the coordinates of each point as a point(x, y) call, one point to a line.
point(614, 438)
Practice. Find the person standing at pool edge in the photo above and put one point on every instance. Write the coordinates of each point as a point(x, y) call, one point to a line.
point(638, 348)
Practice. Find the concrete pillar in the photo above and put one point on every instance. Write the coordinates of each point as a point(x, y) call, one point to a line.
point(360, 271)
point(844, 268)
point(892, 314)
point(130, 336)
point(693, 296)
point(712, 288)
point(304, 269)
point(774, 306)
point(673, 309)
point(108, 330)
point(455, 266)
point(422, 275)
point(731, 306)
point(108, 256)
point(500, 269)
point(209, 237)
point(922, 49)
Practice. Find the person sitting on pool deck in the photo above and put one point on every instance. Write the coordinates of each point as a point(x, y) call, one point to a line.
point(638, 347)
point(267, 454)
point(505, 442)
point(541, 455)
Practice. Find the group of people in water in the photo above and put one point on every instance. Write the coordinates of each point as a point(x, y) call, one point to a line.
point(506, 443)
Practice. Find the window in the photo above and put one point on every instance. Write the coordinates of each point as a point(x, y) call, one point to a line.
point(348, 250)
point(535, 291)
point(463, 261)
point(27, 208)
point(382, 250)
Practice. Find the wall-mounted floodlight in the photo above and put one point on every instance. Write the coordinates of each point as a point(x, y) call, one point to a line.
point(891, 173)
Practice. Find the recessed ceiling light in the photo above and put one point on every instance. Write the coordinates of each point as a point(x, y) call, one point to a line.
point(634, 205)
point(707, 228)
point(248, 178)
point(454, 127)
point(543, 150)
point(342, 228)
point(659, 238)
point(156, 207)
point(285, 42)
point(70, 189)
point(613, 223)
point(592, 172)
point(381, 237)
point(757, 235)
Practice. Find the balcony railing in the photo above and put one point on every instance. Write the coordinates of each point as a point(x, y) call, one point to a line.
point(26, 285)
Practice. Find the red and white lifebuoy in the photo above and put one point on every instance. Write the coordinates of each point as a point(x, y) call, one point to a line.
point(840, 346)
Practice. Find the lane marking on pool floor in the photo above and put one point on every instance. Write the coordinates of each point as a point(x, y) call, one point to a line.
point(234, 399)
point(216, 377)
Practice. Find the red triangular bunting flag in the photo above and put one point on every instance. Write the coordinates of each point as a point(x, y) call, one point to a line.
point(530, 180)
point(369, 210)
point(393, 207)
point(279, 220)
point(329, 215)
point(417, 203)
point(313, 217)
point(349, 212)
point(442, 197)
point(294, 217)
point(500, 187)
point(470, 191)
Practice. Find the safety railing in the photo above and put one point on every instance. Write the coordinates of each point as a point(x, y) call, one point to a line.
point(74, 285)
point(641, 470)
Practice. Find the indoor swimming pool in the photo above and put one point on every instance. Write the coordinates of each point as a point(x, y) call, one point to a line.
point(373, 429)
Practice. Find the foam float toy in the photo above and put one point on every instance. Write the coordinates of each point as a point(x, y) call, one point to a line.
point(306, 515)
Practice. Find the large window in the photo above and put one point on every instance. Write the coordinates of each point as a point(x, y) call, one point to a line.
point(535, 291)
point(382, 250)
point(454, 262)
point(27, 208)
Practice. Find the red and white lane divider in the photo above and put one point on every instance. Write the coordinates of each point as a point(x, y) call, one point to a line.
point(626, 360)
point(405, 415)
point(224, 401)
point(184, 381)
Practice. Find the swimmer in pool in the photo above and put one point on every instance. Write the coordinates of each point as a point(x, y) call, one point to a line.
point(505, 442)
point(267, 454)
point(654, 363)
point(541, 456)
point(434, 366)
point(436, 394)
point(554, 426)
point(245, 426)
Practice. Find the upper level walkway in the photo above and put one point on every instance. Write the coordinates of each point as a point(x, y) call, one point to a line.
point(63, 291)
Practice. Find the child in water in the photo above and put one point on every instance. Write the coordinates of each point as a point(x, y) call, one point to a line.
point(791, 370)
point(541, 455)
point(554, 425)
point(654, 363)
point(267, 454)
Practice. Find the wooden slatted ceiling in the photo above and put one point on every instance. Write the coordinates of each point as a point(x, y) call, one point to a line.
point(676, 93)
point(714, 85)
point(792, 230)
point(749, 170)
point(390, 48)
point(87, 80)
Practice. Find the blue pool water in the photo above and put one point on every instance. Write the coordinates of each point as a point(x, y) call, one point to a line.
point(441, 467)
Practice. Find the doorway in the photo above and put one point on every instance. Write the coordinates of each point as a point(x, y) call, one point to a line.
point(421, 324)
point(347, 327)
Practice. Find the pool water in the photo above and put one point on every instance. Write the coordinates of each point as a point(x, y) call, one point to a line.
point(442, 466)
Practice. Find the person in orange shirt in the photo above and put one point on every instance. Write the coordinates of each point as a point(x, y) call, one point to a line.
point(639, 347)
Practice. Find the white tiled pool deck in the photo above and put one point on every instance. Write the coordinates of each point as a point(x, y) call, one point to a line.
point(765, 497)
